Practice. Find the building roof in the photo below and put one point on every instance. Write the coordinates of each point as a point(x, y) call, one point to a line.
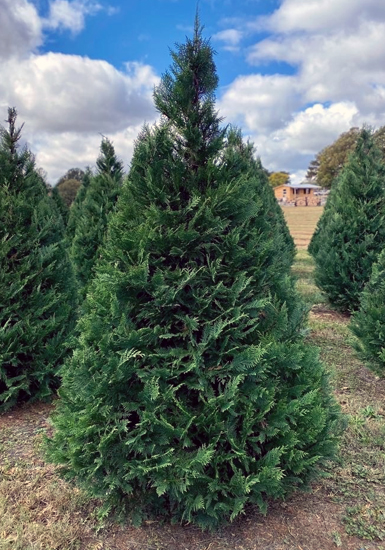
point(299, 186)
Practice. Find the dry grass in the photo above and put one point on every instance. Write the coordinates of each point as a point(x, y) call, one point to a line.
point(39, 511)
point(302, 221)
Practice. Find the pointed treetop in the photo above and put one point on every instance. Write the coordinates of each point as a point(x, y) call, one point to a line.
point(107, 162)
point(186, 99)
point(192, 79)
point(11, 137)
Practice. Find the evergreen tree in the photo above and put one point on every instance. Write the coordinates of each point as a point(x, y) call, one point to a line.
point(352, 232)
point(368, 324)
point(316, 239)
point(239, 158)
point(37, 298)
point(100, 199)
point(76, 208)
point(60, 205)
point(188, 394)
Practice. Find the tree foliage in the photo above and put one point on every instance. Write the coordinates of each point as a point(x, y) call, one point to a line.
point(76, 208)
point(92, 215)
point(279, 178)
point(60, 205)
point(72, 174)
point(190, 392)
point(351, 232)
point(329, 162)
point(368, 324)
point(68, 190)
point(37, 291)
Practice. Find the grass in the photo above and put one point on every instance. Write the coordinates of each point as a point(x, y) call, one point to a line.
point(357, 480)
point(346, 509)
point(302, 222)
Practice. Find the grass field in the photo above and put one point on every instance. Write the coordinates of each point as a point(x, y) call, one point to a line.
point(346, 509)
point(302, 222)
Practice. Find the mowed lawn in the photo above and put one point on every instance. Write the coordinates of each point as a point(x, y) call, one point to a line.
point(345, 509)
point(302, 221)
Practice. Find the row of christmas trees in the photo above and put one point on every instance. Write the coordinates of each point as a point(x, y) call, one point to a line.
point(187, 389)
point(348, 247)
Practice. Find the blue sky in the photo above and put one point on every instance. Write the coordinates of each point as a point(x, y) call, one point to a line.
point(294, 74)
point(144, 30)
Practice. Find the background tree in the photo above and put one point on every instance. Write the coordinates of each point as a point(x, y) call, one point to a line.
point(69, 184)
point(92, 215)
point(240, 161)
point(76, 208)
point(68, 189)
point(72, 174)
point(312, 171)
point(368, 324)
point(37, 289)
point(329, 162)
point(61, 206)
point(333, 158)
point(279, 178)
point(187, 394)
point(351, 231)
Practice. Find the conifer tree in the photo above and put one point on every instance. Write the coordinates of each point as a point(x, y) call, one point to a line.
point(76, 208)
point(368, 324)
point(240, 158)
point(188, 395)
point(100, 199)
point(60, 205)
point(352, 232)
point(37, 287)
point(316, 239)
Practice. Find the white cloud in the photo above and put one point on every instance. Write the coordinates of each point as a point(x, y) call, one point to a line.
point(20, 28)
point(230, 37)
point(58, 152)
point(68, 101)
point(323, 15)
point(336, 50)
point(61, 93)
point(308, 131)
point(65, 14)
point(260, 102)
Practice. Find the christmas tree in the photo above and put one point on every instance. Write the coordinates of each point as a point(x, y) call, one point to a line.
point(37, 287)
point(368, 324)
point(60, 205)
point(352, 233)
point(101, 195)
point(76, 207)
point(191, 393)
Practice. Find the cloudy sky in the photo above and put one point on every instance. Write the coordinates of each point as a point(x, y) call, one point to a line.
point(294, 74)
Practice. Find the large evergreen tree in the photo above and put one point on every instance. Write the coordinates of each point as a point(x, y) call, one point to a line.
point(368, 324)
point(100, 199)
point(351, 232)
point(37, 288)
point(188, 394)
